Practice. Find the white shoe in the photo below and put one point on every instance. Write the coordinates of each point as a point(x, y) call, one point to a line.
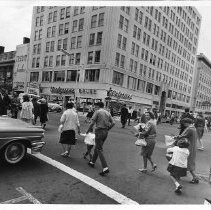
point(143, 170)
point(201, 148)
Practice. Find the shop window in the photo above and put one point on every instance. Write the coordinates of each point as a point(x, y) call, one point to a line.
point(118, 78)
point(71, 75)
point(59, 76)
point(92, 75)
point(34, 76)
point(46, 76)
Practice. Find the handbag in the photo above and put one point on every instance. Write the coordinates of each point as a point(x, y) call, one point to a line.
point(169, 156)
point(141, 142)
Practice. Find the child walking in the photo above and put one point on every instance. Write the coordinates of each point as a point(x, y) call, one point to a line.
point(90, 142)
point(178, 163)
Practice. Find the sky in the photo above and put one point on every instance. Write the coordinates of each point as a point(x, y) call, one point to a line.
point(16, 16)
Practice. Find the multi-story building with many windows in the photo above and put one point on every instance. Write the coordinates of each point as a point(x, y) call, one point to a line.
point(201, 98)
point(145, 56)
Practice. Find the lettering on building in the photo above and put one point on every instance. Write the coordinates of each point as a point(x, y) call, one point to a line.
point(60, 90)
point(118, 94)
point(87, 91)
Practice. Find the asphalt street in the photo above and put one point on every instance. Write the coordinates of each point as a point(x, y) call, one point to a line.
point(50, 185)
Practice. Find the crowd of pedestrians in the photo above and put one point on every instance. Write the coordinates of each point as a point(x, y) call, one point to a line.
point(28, 110)
point(100, 120)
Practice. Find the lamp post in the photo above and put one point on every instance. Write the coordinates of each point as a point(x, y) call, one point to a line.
point(108, 98)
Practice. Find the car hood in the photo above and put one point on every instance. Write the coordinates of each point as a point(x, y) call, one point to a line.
point(14, 125)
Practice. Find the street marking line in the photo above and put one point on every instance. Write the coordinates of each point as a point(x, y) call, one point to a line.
point(87, 180)
point(28, 195)
point(15, 200)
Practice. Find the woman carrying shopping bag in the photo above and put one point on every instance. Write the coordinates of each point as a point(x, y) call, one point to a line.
point(149, 134)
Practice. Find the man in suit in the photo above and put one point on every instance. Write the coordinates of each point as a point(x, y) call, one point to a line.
point(124, 115)
point(4, 102)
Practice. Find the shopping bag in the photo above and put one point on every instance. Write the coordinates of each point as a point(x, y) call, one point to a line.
point(137, 127)
point(169, 140)
point(141, 142)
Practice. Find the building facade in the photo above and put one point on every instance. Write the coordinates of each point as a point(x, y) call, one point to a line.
point(201, 100)
point(7, 60)
point(20, 72)
point(142, 56)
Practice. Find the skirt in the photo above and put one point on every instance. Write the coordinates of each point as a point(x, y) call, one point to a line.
point(147, 151)
point(176, 171)
point(200, 132)
point(68, 137)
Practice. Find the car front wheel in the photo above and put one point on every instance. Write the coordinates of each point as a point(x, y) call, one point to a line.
point(14, 152)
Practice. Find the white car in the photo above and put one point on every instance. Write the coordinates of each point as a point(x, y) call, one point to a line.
point(54, 107)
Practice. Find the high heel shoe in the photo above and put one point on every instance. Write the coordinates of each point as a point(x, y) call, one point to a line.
point(154, 167)
point(194, 181)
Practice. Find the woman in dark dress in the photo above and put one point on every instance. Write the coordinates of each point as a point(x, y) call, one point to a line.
point(36, 110)
point(191, 135)
point(199, 124)
point(43, 112)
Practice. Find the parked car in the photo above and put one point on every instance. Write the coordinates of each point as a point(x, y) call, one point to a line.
point(16, 136)
point(54, 107)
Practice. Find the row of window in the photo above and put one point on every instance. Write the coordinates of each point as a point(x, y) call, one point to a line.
point(75, 43)
point(91, 75)
point(166, 38)
point(170, 27)
point(144, 86)
point(155, 61)
point(77, 25)
point(74, 58)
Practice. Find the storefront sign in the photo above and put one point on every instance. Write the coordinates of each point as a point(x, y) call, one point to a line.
point(19, 86)
point(33, 85)
point(59, 90)
point(87, 91)
point(34, 91)
point(119, 94)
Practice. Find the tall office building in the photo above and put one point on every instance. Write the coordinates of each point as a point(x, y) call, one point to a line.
point(201, 100)
point(143, 56)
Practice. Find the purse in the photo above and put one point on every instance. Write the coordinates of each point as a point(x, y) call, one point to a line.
point(141, 142)
point(169, 156)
